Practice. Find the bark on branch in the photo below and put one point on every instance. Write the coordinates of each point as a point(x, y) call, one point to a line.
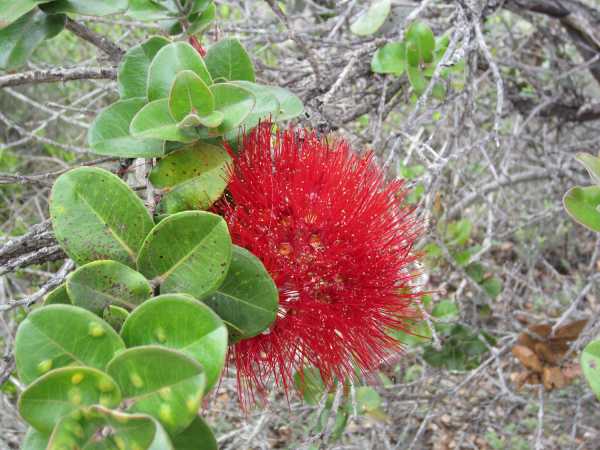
point(52, 75)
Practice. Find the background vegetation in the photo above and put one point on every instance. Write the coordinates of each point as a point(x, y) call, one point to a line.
point(488, 161)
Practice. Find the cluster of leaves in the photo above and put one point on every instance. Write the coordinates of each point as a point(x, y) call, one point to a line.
point(583, 205)
point(144, 298)
point(418, 55)
point(25, 24)
point(171, 96)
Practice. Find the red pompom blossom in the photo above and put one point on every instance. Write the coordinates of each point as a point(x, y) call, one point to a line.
point(337, 241)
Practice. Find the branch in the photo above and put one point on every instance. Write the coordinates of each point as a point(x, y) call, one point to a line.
point(51, 75)
point(114, 52)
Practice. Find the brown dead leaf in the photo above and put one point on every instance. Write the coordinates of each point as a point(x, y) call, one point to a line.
point(527, 357)
point(553, 378)
point(570, 331)
point(551, 352)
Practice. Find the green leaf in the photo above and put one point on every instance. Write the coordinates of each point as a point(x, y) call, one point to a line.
point(115, 316)
point(212, 120)
point(58, 295)
point(64, 390)
point(418, 333)
point(147, 10)
point(109, 133)
point(132, 78)
point(168, 62)
point(99, 284)
point(248, 299)
point(189, 94)
point(267, 106)
point(11, 10)
point(289, 105)
point(445, 309)
point(417, 79)
point(371, 20)
point(180, 322)
point(420, 35)
point(21, 38)
point(234, 102)
point(34, 440)
point(582, 205)
point(154, 121)
point(95, 215)
point(592, 164)
point(390, 59)
point(367, 399)
point(309, 383)
point(85, 429)
point(62, 335)
point(459, 232)
point(87, 7)
point(196, 177)
point(199, 22)
point(228, 60)
point(163, 383)
point(198, 436)
point(590, 366)
point(492, 286)
point(188, 252)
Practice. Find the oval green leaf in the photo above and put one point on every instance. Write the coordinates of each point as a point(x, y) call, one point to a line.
point(154, 121)
point(234, 102)
point(267, 106)
point(189, 94)
point(420, 35)
point(95, 215)
point(227, 60)
point(582, 205)
point(34, 440)
point(212, 120)
point(10, 10)
point(590, 366)
point(168, 62)
point(180, 322)
point(109, 133)
point(372, 19)
point(21, 38)
point(83, 429)
point(115, 316)
point(390, 58)
point(132, 78)
point(64, 390)
point(248, 299)
point(61, 335)
point(198, 436)
point(163, 383)
point(188, 252)
point(58, 296)
point(592, 164)
point(87, 7)
point(99, 284)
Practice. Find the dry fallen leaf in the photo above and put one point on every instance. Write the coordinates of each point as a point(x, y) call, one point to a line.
point(553, 378)
point(527, 357)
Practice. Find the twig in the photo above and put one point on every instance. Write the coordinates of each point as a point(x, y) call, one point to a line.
point(58, 74)
point(114, 52)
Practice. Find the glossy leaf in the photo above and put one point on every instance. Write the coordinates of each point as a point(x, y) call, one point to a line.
point(34, 440)
point(132, 78)
point(417, 79)
point(198, 436)
point(64, 390)
point(11, 10)
point(197, 176)
point(154, 121)
point(290, 105)
point(115, 316)
point(372, 19)
point(420, 35)
point(227, 60)
point(390, 58)
point(147, 10)
point(99, 284)
point(189, 94)
point(95, 215)
point(234, 102)
point(87, 7)
point(60, 335)
point(180, 322)
point(592, 164)
point(199, 22)
point(85, 428)
point(19, 39)
point(212, 120)
point(248, 299)
point(590, 366)
point(188, 252)
point(58, 295)
point(171, 396)
point(582, 205)
point(168, 62)
point(109, 133)
point(266, 106)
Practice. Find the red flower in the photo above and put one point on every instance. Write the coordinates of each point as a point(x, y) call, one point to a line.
point(338, 243)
